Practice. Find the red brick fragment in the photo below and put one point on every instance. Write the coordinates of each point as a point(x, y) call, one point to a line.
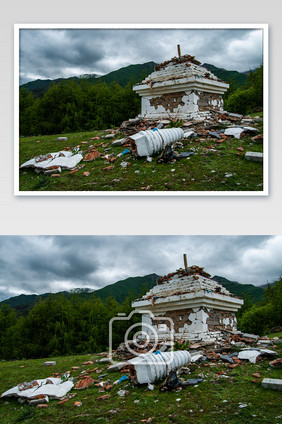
point(108, 168)
point(103, 397)
point(62, 402)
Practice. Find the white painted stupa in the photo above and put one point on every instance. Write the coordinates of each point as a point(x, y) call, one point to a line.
point(199, 307)
point(180, 89)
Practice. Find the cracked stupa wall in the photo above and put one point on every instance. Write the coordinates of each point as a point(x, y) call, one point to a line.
point(180, 89)
point(199, 307)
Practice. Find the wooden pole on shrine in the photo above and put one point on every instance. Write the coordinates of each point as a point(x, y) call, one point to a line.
point(185, 262)
point(179, 51)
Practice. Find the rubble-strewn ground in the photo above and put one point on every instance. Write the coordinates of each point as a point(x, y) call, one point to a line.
point(216, 165)
point(226, 395)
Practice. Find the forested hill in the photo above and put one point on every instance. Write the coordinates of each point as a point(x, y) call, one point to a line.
point(132, 286)
point(238, 78)
point(132, 74)
point(254, 293)
point(123, 76)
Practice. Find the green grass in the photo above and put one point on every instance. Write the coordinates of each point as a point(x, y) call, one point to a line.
point(204, 171)
point(202, 404)
point(279, 335)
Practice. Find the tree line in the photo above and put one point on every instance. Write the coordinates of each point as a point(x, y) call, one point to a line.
point(72, 107)
point(61, 326)
point(259, 318)
point(247, 98)
point(64, 325)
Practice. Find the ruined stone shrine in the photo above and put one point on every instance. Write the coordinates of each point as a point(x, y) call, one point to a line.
point(199, 307)
point(180, 89)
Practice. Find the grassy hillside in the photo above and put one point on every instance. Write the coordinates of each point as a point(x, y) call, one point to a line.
point(230, 400)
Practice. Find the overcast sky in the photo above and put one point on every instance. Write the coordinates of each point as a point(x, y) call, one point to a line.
point(40, 264)
point(55, 53)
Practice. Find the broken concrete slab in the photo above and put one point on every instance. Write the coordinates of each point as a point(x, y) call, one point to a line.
point(116, 367)
point(196, 358)
point(38, 401)
point(105, 360)
point(235, 132)
point(52, 387)
point(188, 133)
point(254, 156)
point(272, 383)
point(234, 115)
point(61, 159)
point(250, 336)
point(215, 134)
point(268, 352)
point(119, 142)
point(109, 136)
point(250, 355)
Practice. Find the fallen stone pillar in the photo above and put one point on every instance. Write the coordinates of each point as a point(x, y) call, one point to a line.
point(146, 143)
point(147, 368)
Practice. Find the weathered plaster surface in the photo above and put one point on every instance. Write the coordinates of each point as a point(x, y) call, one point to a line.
point(198, 306)
point(181, 90)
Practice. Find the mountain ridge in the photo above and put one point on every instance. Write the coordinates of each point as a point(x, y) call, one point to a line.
point(132, 286)
point(129, 74)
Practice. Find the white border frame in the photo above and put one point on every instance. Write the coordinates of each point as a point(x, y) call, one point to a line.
point(265, 190)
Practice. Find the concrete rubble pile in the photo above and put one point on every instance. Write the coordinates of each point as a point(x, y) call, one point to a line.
point(237, 126)
point(199, 130)
point(249, 347)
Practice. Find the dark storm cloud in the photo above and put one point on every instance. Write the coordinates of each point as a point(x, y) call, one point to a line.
point(53, 263)
point(54, 53)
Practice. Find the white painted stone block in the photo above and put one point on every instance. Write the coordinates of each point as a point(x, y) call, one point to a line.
point(254, 156)
point(272, 383)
